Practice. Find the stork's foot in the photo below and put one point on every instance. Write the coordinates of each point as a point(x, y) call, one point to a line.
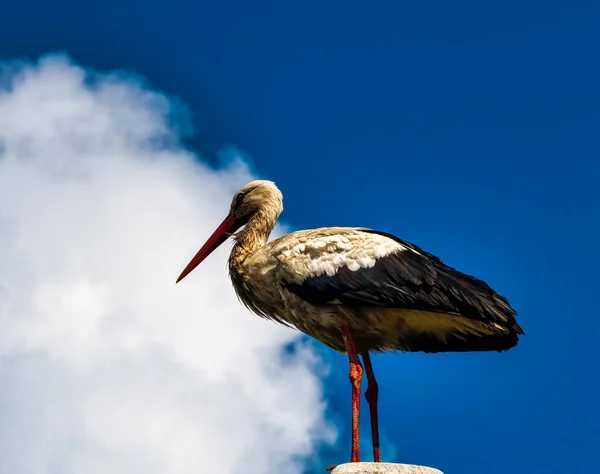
point(331, 467)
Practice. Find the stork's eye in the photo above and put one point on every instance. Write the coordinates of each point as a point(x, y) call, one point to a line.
point(239, 198)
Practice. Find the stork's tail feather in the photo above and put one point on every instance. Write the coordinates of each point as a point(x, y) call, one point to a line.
point(463, 343)
point(518, 329)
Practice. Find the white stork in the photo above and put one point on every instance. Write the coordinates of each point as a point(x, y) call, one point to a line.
point(356, 290)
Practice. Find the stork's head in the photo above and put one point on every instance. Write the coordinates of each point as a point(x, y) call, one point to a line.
point(256, 197)
point(259, 195)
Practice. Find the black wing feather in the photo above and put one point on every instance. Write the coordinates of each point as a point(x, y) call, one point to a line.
point(419, 281)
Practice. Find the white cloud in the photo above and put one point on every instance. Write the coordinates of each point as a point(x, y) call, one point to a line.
point(107, 366)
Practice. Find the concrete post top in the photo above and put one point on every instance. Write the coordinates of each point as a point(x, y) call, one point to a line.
point(382, 468)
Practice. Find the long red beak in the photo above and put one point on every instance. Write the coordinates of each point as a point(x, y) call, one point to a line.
point(217, 238)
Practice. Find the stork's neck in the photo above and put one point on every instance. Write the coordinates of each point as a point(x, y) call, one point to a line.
point(253, 236)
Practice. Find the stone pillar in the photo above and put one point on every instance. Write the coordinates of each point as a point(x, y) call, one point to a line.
point(382, 468)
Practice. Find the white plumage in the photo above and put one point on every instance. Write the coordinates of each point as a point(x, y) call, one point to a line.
point(306, 254)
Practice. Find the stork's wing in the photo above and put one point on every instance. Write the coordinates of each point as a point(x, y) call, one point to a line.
point(363, 267)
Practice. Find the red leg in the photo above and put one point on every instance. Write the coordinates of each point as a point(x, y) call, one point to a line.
point(371, 396)
point(356, 373)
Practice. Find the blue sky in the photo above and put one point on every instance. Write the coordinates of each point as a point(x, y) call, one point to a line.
point(469, 129)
